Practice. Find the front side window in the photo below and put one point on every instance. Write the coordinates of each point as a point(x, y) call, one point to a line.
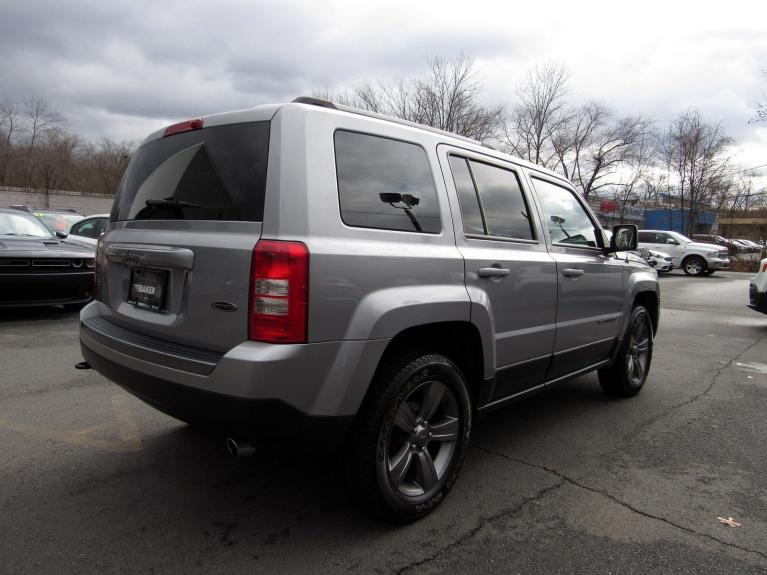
point(566, 219)
point(86, 229)
point(385, 184)
point(473, 222)
point(496, 205)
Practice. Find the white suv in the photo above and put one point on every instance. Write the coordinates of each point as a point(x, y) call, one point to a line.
point(695, 258)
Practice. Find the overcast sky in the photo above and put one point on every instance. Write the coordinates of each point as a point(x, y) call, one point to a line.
point(123, 69)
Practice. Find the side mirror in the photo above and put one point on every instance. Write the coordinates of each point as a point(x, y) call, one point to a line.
point(61, 235)
point(624, 239)
point(390, 197)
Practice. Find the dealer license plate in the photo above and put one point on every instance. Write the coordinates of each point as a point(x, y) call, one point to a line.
point(147, 288)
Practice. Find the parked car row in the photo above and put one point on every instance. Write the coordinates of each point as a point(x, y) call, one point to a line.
point(734, 246)
point(41, 267)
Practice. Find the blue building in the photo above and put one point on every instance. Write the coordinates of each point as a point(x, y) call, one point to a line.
point(673, 219)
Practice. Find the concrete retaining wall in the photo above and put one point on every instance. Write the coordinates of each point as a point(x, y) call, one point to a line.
point(83, 202)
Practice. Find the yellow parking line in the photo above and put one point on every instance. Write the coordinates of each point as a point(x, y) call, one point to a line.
point(89, 437)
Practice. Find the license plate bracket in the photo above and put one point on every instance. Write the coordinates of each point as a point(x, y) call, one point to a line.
point(148, 288)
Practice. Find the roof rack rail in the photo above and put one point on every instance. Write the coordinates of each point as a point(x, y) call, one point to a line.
point(315, 102)
point(351, 109)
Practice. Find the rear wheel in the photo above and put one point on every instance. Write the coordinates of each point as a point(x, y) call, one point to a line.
point(628, 373)
point(411, 436)
point(694, 266)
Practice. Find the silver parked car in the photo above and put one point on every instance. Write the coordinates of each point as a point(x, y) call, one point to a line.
point(319, 272)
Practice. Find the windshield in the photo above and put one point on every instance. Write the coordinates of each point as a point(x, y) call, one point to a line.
point(680, 238)
point(22, 225)
point(57, 222)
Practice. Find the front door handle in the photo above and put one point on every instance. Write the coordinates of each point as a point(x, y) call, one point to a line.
point(493, 272)
point(572, 272)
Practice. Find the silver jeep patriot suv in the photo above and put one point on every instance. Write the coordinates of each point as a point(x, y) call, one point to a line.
point(347, 279)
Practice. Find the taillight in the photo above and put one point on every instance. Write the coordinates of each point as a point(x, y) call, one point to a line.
point(764, 267)
point(187, 126)
point(279, 292)
point(99, 268)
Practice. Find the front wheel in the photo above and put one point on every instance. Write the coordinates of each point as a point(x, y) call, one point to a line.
point(694, 266)
point(410, 437)
point(628, 373)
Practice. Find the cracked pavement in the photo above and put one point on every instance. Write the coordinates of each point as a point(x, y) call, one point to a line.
point(569, 481)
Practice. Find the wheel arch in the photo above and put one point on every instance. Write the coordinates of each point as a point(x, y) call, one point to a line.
point(460, 341)
point(651, 302)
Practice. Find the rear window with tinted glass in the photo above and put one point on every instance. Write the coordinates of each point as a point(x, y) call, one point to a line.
point(217, 173)
point(385, 184)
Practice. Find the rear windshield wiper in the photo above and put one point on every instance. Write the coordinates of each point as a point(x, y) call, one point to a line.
point(170, 203)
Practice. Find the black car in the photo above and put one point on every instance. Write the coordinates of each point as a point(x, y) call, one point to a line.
point(39, 267)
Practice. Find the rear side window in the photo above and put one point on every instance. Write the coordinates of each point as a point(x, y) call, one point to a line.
point(385, 184)
point(648, 237)
point(217, 173)
point(491, 199)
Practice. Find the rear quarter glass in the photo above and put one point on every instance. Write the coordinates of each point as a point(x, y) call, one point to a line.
point(217, 173)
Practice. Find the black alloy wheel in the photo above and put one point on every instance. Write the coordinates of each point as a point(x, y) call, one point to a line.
point(628, 373)
point(410, 437)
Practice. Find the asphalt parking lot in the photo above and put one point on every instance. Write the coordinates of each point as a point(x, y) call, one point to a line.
point(94, 481)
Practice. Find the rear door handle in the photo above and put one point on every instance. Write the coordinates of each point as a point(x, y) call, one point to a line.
point(493, 272)
point(572, 272)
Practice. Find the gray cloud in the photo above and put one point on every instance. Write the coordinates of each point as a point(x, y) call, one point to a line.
point(122, 69)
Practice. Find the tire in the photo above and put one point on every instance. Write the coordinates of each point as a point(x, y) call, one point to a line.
point(694, 266)
point(628, 373)
point(410, 437)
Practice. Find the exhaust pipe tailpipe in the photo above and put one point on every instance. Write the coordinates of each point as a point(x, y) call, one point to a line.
point(239, 448)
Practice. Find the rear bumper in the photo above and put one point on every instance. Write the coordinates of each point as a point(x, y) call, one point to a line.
point(38, 289)
point(306, 391)
point(255, 419)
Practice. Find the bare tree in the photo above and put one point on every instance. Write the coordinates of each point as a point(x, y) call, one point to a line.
point(40, 119)
point(9, 115)
point(540, 114)
point(447, 96)
point(595, 150)
point(55, 160)
point(639, 162)
point(101, 166)
point(698, 154)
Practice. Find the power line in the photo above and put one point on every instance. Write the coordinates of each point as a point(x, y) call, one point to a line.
point(745, 170)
